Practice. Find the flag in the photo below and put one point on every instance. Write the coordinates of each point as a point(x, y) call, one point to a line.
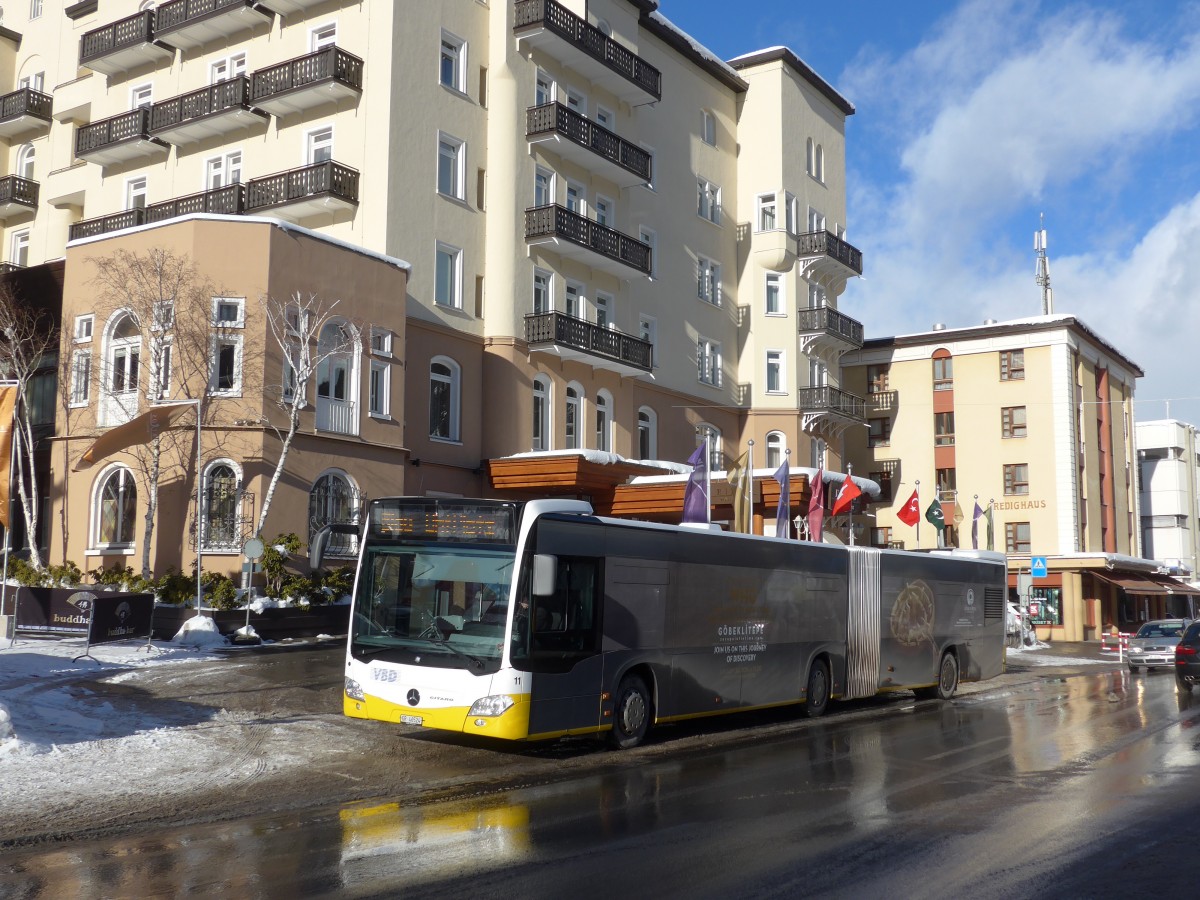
point(736, 476)
point(816, 509)
point(695, 495)
point(975, 526)
point(846, 496)
point(958, 514)
point(934, 515)
point(8, 403)
point(910, 512)
point(140, 430)
point(991, 537)
point(783, 513)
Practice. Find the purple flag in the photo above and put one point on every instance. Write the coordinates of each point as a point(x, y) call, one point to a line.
point(975, 526)
point(695, 495)
point(816, 508)
point(783, 520)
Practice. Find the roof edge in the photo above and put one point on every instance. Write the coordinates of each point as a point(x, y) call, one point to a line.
point(775, 54)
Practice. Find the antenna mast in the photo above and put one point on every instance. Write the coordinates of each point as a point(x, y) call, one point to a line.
point(1043, 267)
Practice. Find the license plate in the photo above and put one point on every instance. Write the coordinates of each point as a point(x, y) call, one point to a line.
point(412, 720)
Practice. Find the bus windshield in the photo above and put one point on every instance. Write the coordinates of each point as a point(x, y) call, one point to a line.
point(435, 605)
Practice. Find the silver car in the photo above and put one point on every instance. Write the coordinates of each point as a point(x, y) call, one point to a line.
point(1154, 644)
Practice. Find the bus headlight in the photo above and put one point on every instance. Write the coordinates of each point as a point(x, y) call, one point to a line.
point(494, 705)
point(354, 690)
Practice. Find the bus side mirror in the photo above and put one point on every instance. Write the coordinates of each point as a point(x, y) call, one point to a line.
point(316, 547)
point(545, 574)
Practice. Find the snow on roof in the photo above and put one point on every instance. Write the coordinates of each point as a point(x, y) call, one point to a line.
point(602, 458)
point(698, 48)
point(260, 220)
point(866, 485)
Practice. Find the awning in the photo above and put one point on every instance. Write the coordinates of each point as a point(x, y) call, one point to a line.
point(1145, 583)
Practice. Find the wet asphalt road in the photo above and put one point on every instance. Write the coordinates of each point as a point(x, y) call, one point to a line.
point(1081, 786)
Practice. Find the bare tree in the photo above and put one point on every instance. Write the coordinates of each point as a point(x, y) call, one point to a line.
point(168, 306)
point(28, 340)
point(298, 327)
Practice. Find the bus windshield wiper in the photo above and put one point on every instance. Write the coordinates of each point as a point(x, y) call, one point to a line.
point(459, 653)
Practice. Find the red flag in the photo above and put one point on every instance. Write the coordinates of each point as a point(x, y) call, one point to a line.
point(910, 512)
point(845, 496)
point(816, 508)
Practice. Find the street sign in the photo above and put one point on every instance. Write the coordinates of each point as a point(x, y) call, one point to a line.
point(1024, 584)
point(1038, 566)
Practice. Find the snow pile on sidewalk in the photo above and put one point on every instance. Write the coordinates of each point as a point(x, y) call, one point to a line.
point(200, 632)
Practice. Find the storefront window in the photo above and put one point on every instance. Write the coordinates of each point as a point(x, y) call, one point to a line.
point(1046, 603)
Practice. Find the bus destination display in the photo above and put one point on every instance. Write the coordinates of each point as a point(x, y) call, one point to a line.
point(431, 520)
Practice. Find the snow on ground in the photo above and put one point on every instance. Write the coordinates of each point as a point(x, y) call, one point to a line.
point(1030, 656)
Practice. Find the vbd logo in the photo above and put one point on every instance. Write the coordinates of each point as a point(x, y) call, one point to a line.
point(414, 697)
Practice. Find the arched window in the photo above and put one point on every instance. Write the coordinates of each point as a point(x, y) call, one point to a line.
point(541, 413)
point(816, 457)
point(334, 498)
point(574, 410)
point(122, 369)
point(114, 509)
point(445, 379)
point(810, 159)
point(819, 170)
point(337, 378)
point(25, 159)
point(647, 433)
point(776, 445)
point(716, 456)
point(604, 419)
point(219, 519)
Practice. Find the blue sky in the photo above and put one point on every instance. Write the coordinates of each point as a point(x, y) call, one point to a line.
point(975, 117)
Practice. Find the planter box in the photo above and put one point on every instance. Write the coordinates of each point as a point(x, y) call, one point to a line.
point(271, 624)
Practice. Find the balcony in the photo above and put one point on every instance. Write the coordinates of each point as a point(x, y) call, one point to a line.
point(327, 76)
point(827, 257)
point(105, 224)
point(827, 333)
point(119, 139)
point(17, 196)
point(286, 7)
point(124, 45)
point(587, 342)
point(561, 130)
point(827, 411)
point(7, 268)
point(188, 24)
point(215, 111)
point(587, 50)
point(226, 201)
point(24, 112)
point(336, 416)
point(325, 187)
point(578, 237)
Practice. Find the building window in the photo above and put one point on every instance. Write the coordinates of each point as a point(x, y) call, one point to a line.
point(766, 212)
point(708, 280)
point(947, 483)
point(708, 201)
point(571, 422)
point(810, 157)
point(226, 375)
point(943, 373)
point(543, 187)
point(448, 273)
point(576, 198)
point(1012, 421)
point(451, 160)
point(445, 379)
point(1012, 365)
point(453, 62)
point(819, 171)
point(141, 95)
point(605, 211)
point(574, 300)
point(81, 377)
point(319, 145)
point(381, 341)
point(541, 413)
point(816, 220)
point(943, 429)
point(879, 432)
point(604, 310)
point(228, 312)
point(881, 538)
point(816, 296)
point(775, 372)
point(135, 193)
point(323, 36)
point(35, 9)
point(160, 368)
point(380, 391)
point(648, 330)
point(708, 362)
point(1016, 479)
point(716, 452)
point(233, 66)
point(1016, 537)
point(115, 510)
point(543, 91)
point(603, 408)
point(26, 157)
point(223, 170)
point(334, 499)
point(775, 295)
point(83, 328)
point(708, 127)
point(647, 433)
point(650, 239)
point(776, 447)
point(18, 247)
point(884, 480)
point(222, 495)
point(542, 301)
point(877, 379)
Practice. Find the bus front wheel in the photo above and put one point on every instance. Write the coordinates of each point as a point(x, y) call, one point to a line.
point(631, 716)
point(816, 697)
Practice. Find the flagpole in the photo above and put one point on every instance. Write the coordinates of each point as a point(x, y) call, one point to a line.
point(850, 508)
point(918, 514)
point(199, 517)
point(707, 477)
point(750, 488)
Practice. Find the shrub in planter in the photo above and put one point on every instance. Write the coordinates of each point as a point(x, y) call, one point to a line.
point(175, 588)
point(25, 574)
point(274, 562)
point(338, 582)
point(66, 575)
point(114, 576)
point(219, 591)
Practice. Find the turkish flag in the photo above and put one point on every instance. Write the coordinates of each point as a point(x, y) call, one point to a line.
point(910, 512)
point(845, 497)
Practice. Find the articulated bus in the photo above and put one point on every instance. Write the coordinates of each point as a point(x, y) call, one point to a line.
point(539, 620)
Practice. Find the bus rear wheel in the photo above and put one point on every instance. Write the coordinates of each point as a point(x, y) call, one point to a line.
point(816, 697)
point(631, 715)
point(947, 682)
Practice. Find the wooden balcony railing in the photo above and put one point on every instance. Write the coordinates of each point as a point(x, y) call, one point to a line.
point(828, 320)
point(228, 201)
point(329, 177)
point(826, 243)
point(127, 32)
point(559, 222)
point(103, 225)
point(94, 136)
point(832, 400)
point(588, 337)
point(26, 102)
point(591, 40)
point(329, 64)
point(231, 94)
point(14, 189)
point(557, 117)
point(179, 12)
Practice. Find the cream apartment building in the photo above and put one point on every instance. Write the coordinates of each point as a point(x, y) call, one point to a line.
point(1032, 418)
point(1169, 464)
point(616, 241)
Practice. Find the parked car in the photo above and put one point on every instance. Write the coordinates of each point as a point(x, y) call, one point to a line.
point(1154, 643)
point(1187, 658)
